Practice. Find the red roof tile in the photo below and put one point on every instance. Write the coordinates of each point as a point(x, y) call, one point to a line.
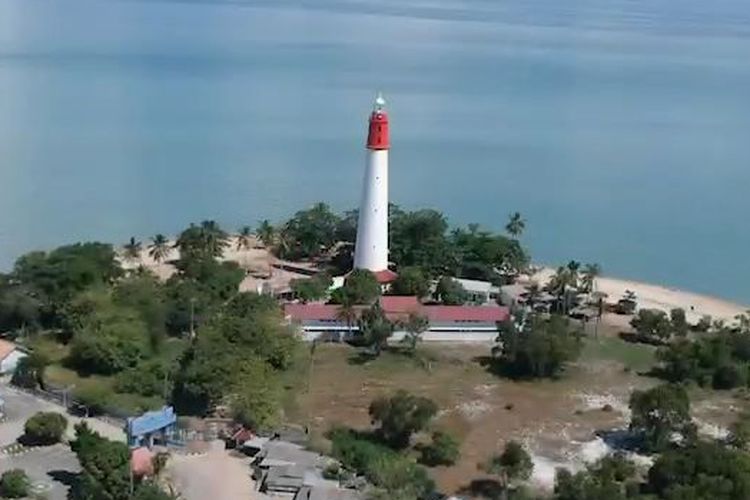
point(484, 314)
point(385, 276)
point(398, 306)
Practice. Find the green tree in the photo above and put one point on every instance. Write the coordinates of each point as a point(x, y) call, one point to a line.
point(362, 285)
point(266, 233)
point(132, 250)
point(310, 233)
point(450, 292)
point(150, 491)
point(443, 450)
point(375, 328)
point(310, 289)
point(419, 239)
point(705, 470)
point(414, 326)
point(588, 277)
point(44, 428)
point(513, 464)
point(658, 413)
point(255, 399)
point(679, 322)
point(19, 308)
point(60, 274)
point(411, 281)
point(612, 477)
point(200, 242)
point(515, 225)
point(29, 372)
point(244, 238)
point(652, 325)
point(110, 339)
point(537, 347)
point(401, 415)
point(159, 248)
point(14, 483)
point(347, 311)
point(739, 434)
point(105, 464)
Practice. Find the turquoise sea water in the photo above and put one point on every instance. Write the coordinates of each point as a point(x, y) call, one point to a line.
point(619, 128)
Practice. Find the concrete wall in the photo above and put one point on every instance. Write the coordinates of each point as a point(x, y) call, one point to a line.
point(8, 365)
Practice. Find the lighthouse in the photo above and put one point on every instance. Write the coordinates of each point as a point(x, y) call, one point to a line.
point(371, 249)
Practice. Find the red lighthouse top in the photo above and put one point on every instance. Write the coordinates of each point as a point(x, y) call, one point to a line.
point(377, 136)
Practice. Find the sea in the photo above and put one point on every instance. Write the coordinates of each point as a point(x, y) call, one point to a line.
point(620, 129)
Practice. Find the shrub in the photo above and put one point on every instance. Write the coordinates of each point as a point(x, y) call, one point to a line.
point(729, 376)
point(444, 450)
point(14, 484)
point(45, 428)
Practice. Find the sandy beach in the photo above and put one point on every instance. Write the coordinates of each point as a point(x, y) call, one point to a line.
point(258, 262)
point(652, 296)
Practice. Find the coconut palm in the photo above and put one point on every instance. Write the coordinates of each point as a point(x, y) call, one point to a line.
point(515, 225)
point(266, 233)
point(159, 247)
point(588, 278)
point(214, 238)
point(243, 238)
point(347, 312)
point(533, 294)
point(132, 250)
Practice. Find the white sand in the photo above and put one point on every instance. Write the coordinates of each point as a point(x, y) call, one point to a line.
point(660, 297)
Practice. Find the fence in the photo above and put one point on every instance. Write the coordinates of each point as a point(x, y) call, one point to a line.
point(64, 398)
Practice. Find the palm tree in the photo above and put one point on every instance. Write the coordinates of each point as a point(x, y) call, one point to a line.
point(533, 294)
point(565, 277)
point(266, 233)
point(347, 312)
point(515, 225)
point(588, 280)
point(132, 250)
point(214, 238)
point(243, 238)
point(159, 248)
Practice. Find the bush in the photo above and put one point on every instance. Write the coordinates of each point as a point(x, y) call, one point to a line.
point(382, 466)
point(729, 376)
point(14, 484)
point(45, 428)
point(444, 450)
point(95, 398)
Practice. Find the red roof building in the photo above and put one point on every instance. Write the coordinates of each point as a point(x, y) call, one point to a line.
point(317, 317)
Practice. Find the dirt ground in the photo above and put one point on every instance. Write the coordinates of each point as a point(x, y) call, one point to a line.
point(556, 419)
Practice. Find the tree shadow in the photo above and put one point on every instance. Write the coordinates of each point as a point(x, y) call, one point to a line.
point(65, 477)
point(621, 439)
point(482, 488)
point(362, 357)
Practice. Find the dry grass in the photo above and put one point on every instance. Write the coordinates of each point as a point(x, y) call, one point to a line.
point(474, 403)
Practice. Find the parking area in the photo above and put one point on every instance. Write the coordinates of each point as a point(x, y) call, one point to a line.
point(20, 405)
point(50, 468)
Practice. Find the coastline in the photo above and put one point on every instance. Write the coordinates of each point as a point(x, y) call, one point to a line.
point(649, 295)
point(654, 296)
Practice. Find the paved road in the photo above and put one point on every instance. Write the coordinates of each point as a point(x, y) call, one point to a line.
point(50, 468)
point(19, 406)
point(216, 475)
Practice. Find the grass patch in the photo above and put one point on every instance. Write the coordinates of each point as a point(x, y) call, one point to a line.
point(52, 350)
point(637, 357)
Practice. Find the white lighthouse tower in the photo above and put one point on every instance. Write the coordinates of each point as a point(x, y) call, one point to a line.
point(371, 250)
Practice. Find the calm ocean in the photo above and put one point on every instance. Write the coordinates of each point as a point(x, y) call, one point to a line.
point(619, 128)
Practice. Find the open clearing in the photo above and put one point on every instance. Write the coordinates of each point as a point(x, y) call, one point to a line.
point(557, 419)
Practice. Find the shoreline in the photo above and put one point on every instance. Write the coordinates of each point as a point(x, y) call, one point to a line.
point(655, 296)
